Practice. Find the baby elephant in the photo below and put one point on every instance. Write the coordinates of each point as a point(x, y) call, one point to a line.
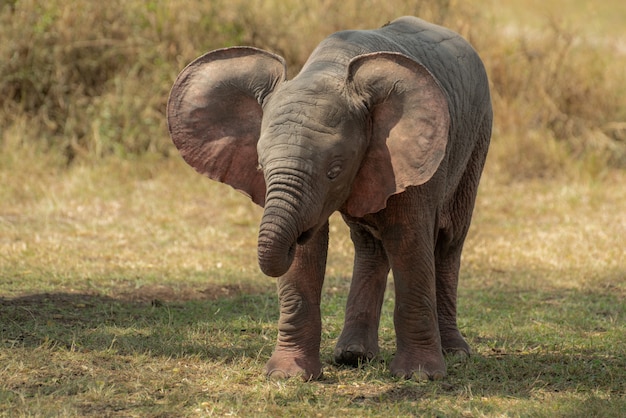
point(391, 128)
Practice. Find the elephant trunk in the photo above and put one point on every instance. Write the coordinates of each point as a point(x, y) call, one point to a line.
point(277, 245)
point(282, 226)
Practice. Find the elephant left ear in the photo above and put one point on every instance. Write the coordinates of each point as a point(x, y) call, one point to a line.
point(409, 127)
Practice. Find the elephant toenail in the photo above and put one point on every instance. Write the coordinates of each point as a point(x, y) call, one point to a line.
point(438, 376)
point(277, 374)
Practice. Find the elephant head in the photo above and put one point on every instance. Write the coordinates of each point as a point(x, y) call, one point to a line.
point(331, 139)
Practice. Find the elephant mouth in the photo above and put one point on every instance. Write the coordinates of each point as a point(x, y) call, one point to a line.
point(306, 236)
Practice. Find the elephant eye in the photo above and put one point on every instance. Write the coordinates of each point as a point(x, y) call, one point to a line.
point(334, 171)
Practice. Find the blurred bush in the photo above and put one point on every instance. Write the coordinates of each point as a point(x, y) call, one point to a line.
point(559, 100)
point(87, 80)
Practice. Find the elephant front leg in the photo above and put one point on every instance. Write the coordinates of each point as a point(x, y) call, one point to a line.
point(419, 354)
point(299, 325)
point(359, 339)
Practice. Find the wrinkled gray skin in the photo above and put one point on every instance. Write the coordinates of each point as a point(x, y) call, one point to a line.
point(390, 127)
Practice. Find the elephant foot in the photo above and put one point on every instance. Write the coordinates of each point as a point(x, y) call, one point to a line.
point(354, 348)
point(354, 354)
point(420, 366)
point(454, 345)
point(287, 364)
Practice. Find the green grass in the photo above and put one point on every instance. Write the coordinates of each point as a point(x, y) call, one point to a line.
point(131, 289)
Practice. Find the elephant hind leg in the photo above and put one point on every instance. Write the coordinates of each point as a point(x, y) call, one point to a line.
point(454, 225)
point(359, 339)
point(447, 273)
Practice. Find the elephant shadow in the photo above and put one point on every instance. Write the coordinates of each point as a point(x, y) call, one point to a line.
point(226, 323)
point(513, 363)
point(222, 323)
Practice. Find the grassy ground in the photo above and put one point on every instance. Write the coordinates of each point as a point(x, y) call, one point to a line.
point(131, 289)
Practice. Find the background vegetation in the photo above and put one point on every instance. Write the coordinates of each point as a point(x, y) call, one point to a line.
point(129, 285)
point(92, 81)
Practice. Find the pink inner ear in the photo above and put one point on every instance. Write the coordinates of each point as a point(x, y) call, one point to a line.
point(374, 182)
point(214, 115)
point(218, 136)
point(410, 122)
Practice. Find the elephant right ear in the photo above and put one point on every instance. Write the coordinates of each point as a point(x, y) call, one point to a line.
point(214, 114)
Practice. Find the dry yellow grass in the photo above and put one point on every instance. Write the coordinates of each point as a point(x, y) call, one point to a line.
point(97, 83)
